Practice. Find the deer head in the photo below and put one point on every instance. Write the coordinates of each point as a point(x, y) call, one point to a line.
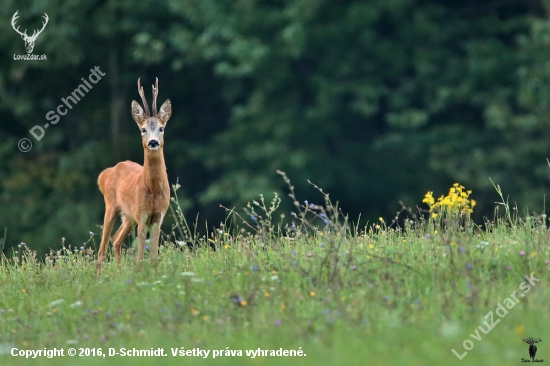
point(531, 340)
point(29, 40)
point(151, 126)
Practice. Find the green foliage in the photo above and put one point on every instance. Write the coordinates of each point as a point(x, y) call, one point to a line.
point(374, 101)
point(327, 291)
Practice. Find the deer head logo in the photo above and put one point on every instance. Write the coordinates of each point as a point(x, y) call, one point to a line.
point(532, 348)
point(29, 40)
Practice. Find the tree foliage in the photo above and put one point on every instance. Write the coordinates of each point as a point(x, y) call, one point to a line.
point(376, 101)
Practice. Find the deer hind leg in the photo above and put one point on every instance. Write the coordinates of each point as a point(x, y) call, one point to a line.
point(121, 234)
point(108, 223)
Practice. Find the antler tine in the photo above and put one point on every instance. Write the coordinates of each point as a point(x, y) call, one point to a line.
point(13, 22)
point(155, 95)
point(142, 95)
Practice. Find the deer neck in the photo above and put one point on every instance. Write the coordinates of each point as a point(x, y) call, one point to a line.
point(154, 171)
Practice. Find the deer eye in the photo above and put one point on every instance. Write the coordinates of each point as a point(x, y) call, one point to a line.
point(143, 131)
point(161, 129)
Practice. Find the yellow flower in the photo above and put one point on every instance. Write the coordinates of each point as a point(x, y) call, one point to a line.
point(520, 329)
point(243, 303)
point(312, 293)
point(226, 246)
point(267, 294)
point(368, 256)
point(371, 246)
point(533, 254)
point(381, 219)
point(378, 227)
point(128, 317)
point(24, 290)
point(195, 312)
point(205, 318)
point(283, 306)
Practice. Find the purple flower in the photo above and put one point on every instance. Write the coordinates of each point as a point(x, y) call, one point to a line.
point(546, 261)
point(95, 312)
point(470, 286)
point(417, 301)
point(277, 322)
point(428, 236)
point(128, 281)
point(322, 245)
point(327, 311)
point(207, 283)
point(322, 214)
point(293, 226)
point(325, 221)
point(353, 267)
point(255, 268)
point(469, 266)
point(178, 304)
point(96, 302)
point(386, 298)
point(253, 218)
point(311, 205)
point(147, 247)
point(309, 254)
point(508, 268)
point(164, 310)
point(462, 249)
point(293, 252)
point(522, 253)
point(107, 315)
point(81, 248)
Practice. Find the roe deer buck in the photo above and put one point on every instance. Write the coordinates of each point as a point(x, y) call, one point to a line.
point(141, 194)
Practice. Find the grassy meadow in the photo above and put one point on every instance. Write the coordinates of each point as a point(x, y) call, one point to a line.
point(390, 293)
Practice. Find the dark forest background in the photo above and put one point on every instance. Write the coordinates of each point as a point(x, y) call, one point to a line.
point(376, 101)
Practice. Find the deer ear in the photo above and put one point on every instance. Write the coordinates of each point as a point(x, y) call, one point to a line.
point(137, 113)
point(165, 112)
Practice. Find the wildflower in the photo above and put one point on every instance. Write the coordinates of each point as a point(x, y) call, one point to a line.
point(381, 219)
point(147, 247)
point(462, 249)
point(520, 329)
point(266, 294)
point(309, 255)
point(311, 205)
point(23, 290)
point(533, 254)
point(255, 268)
point(322, 245)
point(325, 221)
point(277, 322)
point(226, 246)
point(283, 306)
point(195, 312)
point(469, 266)
point(326, 311)
point(207, 283)
point(293, 252)
point(128, 317)
point(128, 281)
point(386, 298)
point(312, 294)
point(178, 304)
point(417, 301)
point(371, 246)
point(546, 261)
point(378, 227)
point(522, 253)
point(428, 236)
point(81, 248)
point(368, 256)
point(293, 226)
point(508, 268)
point(91, 233)
point(470, 286)
point(253, 218)
point(353, 267)
point(95, 312)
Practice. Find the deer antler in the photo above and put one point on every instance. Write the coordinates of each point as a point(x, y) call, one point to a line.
point(15, 16)
point(142, 95)
point(155, 95)
point(36, 33)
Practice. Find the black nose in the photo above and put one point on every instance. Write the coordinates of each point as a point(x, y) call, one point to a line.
point(153, 143)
